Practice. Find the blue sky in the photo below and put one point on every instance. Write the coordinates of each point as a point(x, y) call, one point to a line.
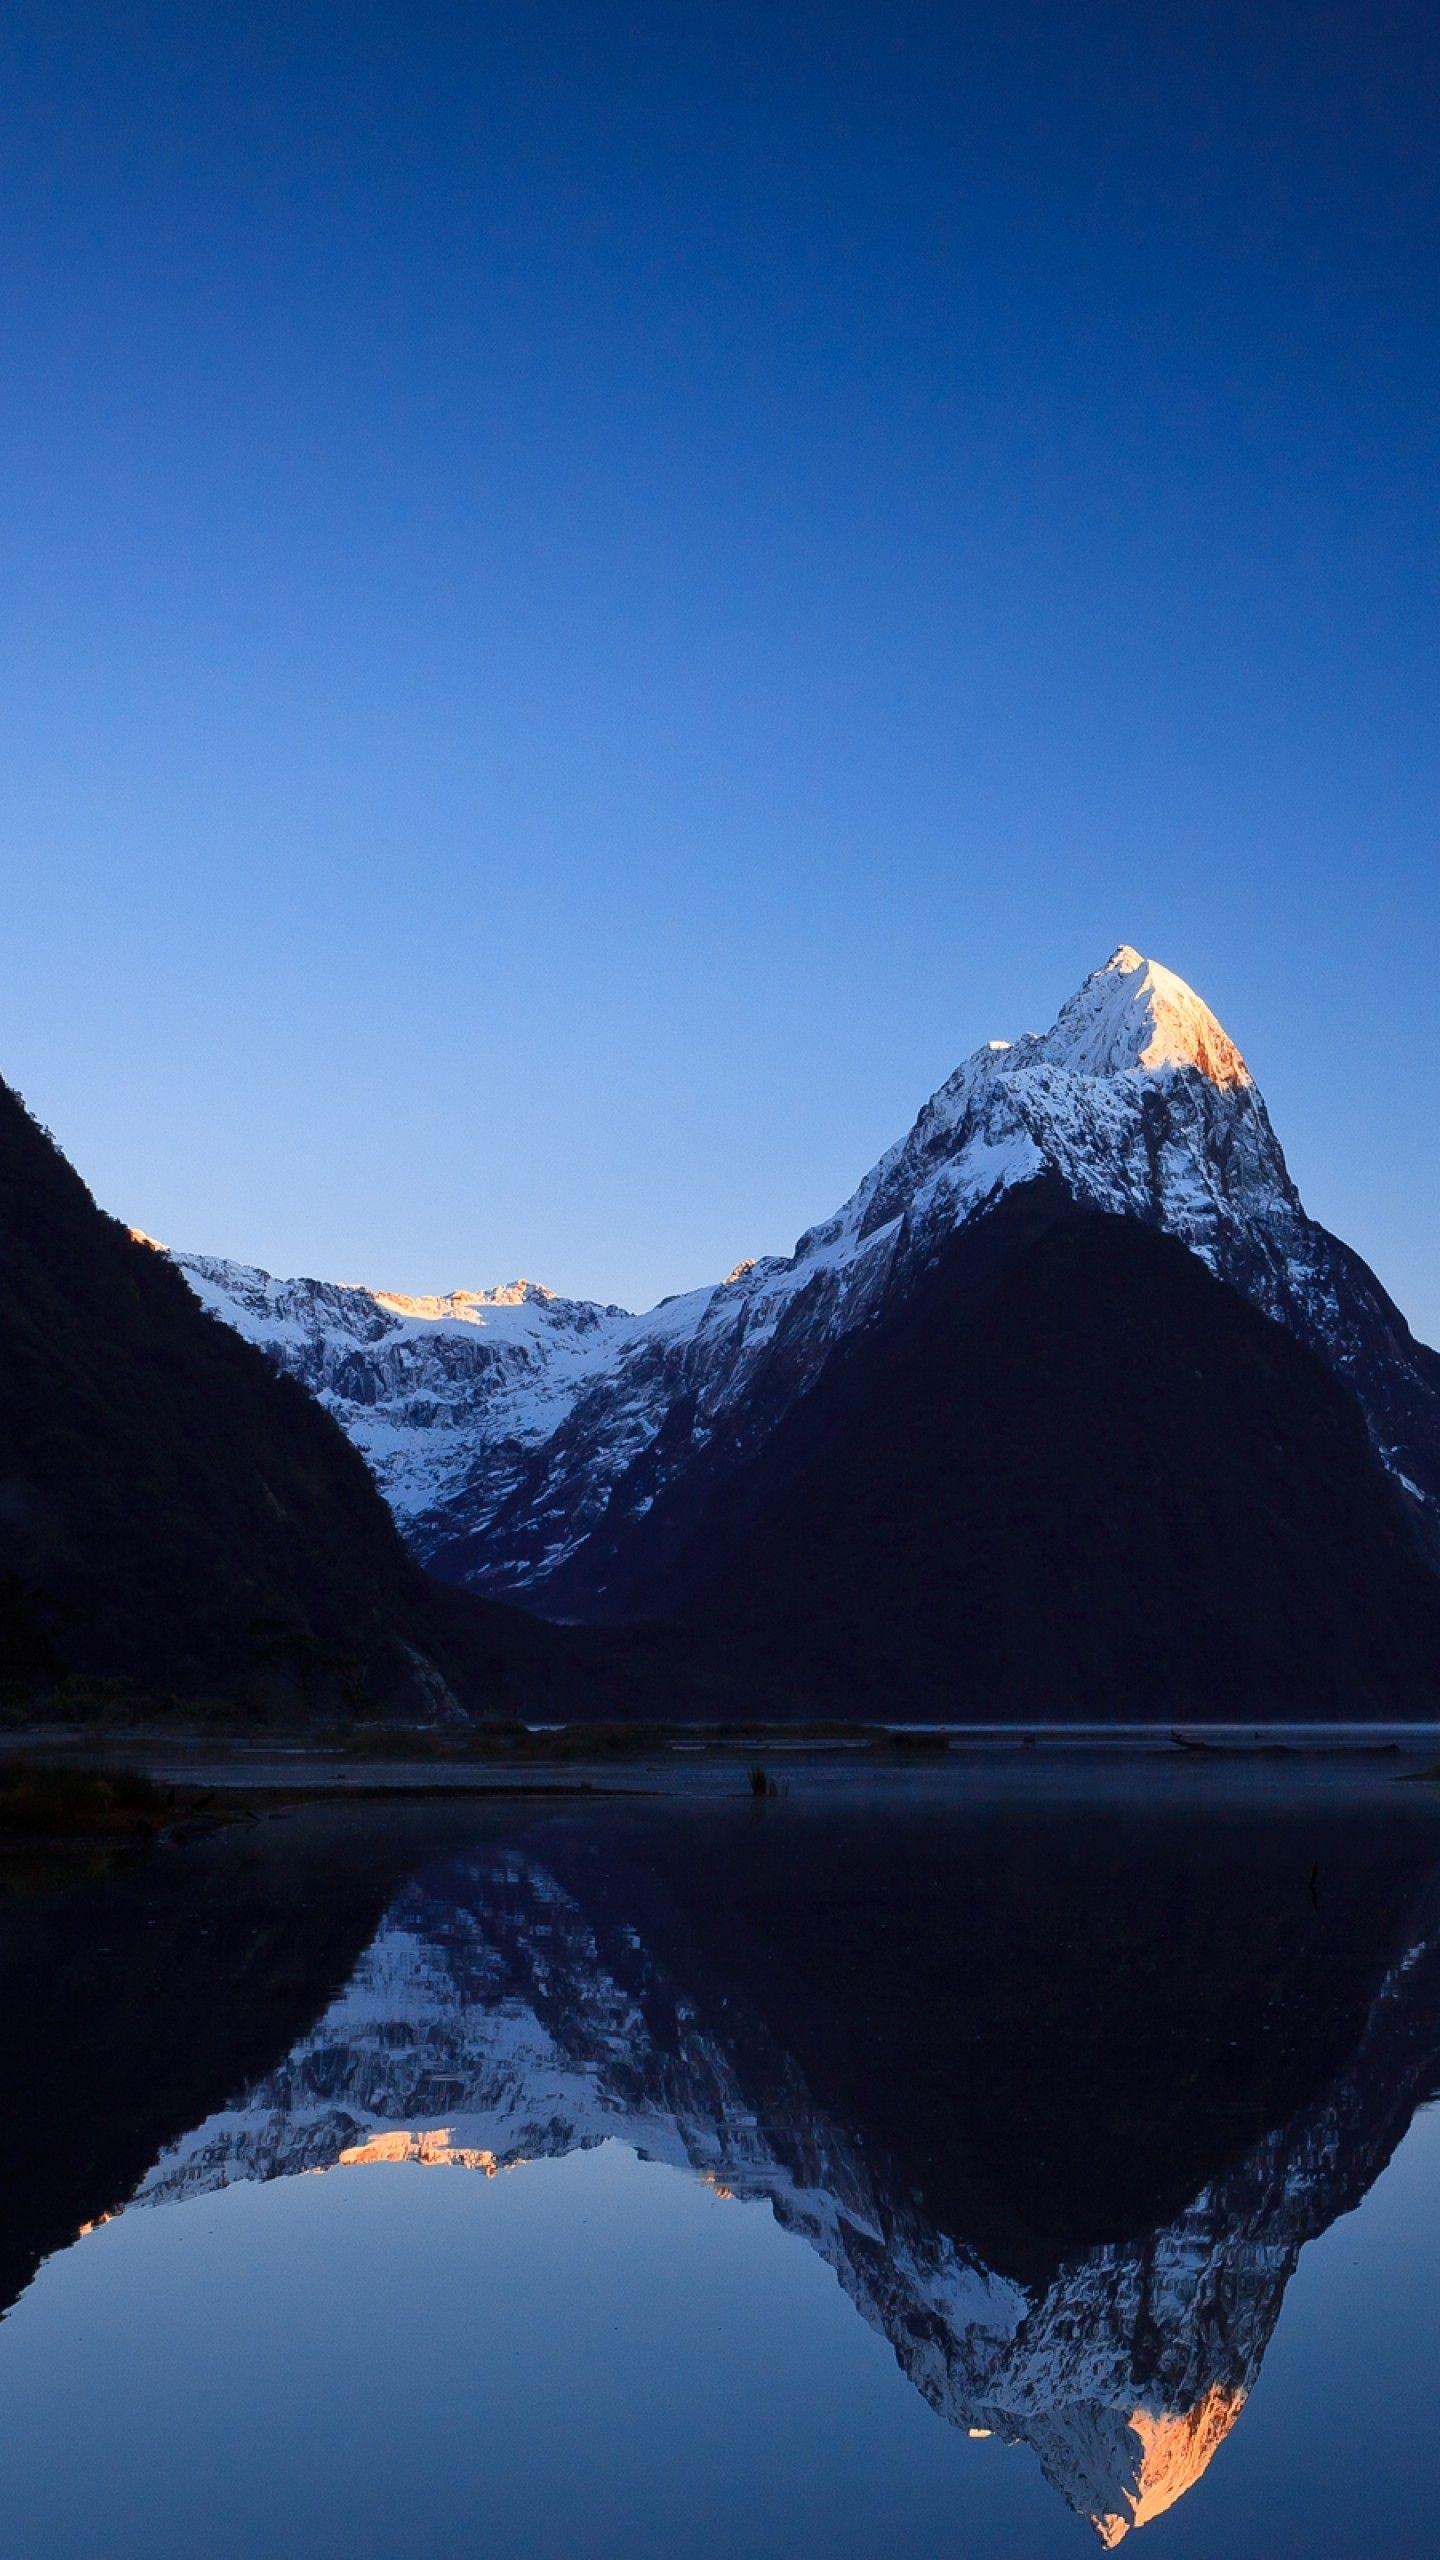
point(590, 596)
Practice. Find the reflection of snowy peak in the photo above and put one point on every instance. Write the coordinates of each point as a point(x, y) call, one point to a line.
point(506, 1427)
point(490, 2023)
point(486, 2023)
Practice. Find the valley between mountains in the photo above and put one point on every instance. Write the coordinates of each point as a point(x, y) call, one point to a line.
point(519, 1435)
point(692, 1463)
point(1070, 1410)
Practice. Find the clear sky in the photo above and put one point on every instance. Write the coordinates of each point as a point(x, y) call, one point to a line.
point(593, 594)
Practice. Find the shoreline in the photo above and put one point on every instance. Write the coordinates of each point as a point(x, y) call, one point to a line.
point(581, 1763)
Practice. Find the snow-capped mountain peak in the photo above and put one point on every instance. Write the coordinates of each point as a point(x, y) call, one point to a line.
point(1131, 1016)
point(1136, 1095)
point(1138, 1015)
point(1135, 1014)
point(507, 1426)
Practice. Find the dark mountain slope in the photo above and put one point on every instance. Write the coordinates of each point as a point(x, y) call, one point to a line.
point(175, 1513)
point(1073, 1475)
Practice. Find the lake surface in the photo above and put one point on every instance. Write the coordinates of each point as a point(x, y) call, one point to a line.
point(975, 2162)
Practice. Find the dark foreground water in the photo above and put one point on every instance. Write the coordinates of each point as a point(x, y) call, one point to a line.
point(958, 2165)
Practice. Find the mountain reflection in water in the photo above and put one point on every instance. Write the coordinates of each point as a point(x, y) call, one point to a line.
point(1060, 2094)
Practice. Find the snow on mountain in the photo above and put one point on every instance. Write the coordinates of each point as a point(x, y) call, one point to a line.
point(506, 1425)
point(418, 1383)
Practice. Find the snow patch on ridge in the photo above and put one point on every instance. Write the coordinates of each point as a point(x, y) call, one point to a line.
point(414, 1381)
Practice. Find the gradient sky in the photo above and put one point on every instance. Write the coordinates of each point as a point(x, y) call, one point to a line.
point(592, 595)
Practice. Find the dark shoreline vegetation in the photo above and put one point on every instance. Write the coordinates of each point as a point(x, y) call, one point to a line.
point(49, 1800)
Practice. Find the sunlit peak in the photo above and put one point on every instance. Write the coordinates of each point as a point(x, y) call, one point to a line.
point(1134, 1013)
point(435, 2149)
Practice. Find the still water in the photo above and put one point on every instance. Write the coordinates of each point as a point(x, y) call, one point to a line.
point(952, 2165)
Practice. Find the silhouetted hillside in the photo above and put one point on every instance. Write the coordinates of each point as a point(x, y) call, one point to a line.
point(1074, 1475)
point(175, 1513)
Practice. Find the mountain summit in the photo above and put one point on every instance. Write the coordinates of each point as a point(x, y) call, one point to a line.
point(1132, 1013)
point(532, 1445)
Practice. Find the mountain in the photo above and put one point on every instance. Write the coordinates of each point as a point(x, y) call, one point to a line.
point(526, 1442)
point(1070, 1473)
point(175, 1515)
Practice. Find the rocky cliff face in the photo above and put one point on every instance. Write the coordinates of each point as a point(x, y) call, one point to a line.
point(508, 1427)
point(494, 2022)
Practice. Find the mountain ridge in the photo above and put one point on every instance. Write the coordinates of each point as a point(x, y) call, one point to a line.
point(517, 1435)
point(1068, 1472)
